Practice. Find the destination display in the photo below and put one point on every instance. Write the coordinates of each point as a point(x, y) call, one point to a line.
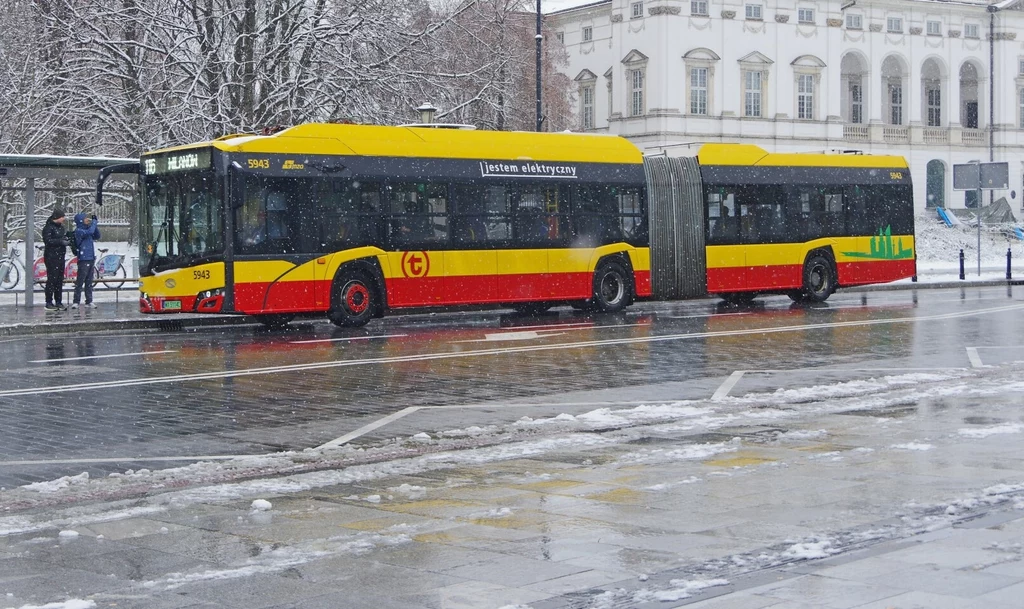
point(175, 162)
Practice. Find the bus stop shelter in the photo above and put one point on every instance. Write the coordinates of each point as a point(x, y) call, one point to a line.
point(22, 171)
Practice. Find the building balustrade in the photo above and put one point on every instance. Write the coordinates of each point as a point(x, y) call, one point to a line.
point(895, 134)
point(914, 134)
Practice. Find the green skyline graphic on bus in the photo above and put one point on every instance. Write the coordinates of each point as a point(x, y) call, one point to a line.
point(883, 248)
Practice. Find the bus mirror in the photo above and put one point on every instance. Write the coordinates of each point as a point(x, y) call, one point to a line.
point(105, 173)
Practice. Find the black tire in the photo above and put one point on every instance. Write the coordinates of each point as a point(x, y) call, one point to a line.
point(819, 278)
point(796, 295)
point(274, 321)
point(613, 287)
point(354, 301)
point(11, 278)
point(120, 273)
point(531, 308)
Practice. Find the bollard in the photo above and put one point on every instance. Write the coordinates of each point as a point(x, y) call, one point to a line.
point(1009, 258)
point(961, 265)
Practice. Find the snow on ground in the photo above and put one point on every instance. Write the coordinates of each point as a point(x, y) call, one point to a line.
point(984, 432)
point(267, 476)
point(68, 604)
point(938, 246)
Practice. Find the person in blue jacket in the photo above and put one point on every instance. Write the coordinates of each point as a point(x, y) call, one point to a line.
point(86, 232)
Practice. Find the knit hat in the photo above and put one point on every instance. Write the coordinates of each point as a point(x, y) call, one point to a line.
point(57, 213)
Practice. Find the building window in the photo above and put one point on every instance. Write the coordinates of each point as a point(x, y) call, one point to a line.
point(560, 37)
point(699, 8)
point(805, 15)
point(754, 12)
point(854, 22)
point(752, 93)
point(895, 104)
point(636, 82)
point(588, 33)
point(636, 10)
point(699, 91)
point(587, 106)
point(1020, 103)
point(1020, 67)
point(971, 30)
point(934, 28)
point(805, 97)
point(933, 99)
point(856, 103)
point(894, 25)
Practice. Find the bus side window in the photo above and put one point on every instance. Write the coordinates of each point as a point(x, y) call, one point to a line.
point(725, 229)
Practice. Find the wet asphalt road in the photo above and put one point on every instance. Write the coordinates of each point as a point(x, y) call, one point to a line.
point(105, 403)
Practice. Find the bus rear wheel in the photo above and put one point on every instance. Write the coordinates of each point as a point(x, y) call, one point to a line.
point(353, 301)
point(819, 278)
point(612, 287)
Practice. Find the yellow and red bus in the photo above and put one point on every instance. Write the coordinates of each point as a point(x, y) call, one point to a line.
point(353, 221)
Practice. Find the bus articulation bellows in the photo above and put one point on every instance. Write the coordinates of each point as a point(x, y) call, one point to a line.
point(352, 221)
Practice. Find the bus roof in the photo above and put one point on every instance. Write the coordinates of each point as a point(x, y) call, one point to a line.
point(423, 142)
point(748, 154)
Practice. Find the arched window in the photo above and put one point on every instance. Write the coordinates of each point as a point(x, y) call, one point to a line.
point(935, 184)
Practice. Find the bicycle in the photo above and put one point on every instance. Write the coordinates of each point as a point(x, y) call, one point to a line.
point(107, 266)
point(11, 267)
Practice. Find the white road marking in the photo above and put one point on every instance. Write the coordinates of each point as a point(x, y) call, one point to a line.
point(972, 354)
point(365, 429)
point(727, 386)
point(75, 359)
point(224, 374)
point(351, 338)
point(130, 459)
point(702, 315)
point(588, 324)
point(536, 334)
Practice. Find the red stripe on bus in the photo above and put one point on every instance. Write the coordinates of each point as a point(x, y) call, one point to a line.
point(875, 271)
point(299, 296)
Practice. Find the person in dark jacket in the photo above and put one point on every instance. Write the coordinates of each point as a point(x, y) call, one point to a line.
point(55, 246)
point(86, 232)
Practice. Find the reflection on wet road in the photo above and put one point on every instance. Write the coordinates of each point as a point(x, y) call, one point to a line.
point(120, 400)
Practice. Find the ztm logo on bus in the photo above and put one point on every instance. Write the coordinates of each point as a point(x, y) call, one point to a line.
point(415, 264)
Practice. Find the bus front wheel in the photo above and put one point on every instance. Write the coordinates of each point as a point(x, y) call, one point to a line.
point(819, 278)
point(612, 287)
point(353, 302)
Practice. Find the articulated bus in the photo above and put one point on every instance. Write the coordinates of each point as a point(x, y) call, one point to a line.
point(353, 221)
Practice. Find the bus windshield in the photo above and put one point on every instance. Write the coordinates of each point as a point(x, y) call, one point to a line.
point(181, 220)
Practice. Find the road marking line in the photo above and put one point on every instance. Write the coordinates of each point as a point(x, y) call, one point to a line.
point(588, 324)
point(972, 354)
point(365, 429)
point(703, 315)
point(75, 359)
point(225, 374)
point(130, 459)
point(727, 386)
point(339, 340)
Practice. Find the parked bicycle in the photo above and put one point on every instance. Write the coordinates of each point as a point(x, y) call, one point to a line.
point(11, 267)
point(108, 267)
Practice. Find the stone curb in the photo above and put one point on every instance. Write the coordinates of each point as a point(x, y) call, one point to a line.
point(181, 323)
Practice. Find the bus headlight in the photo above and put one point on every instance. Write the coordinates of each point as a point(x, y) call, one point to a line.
point(210, 293)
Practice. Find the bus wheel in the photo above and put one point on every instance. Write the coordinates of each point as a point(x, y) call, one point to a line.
point(796, 295)
point(530, 308)
point(612, 287)
point(274, 322)
point(353, 302)
point(819, 278)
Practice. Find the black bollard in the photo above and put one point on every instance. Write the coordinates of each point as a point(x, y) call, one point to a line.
point(1009, 257)
point(961, 265)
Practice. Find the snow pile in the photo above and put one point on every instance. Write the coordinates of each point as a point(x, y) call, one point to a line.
point(55, 486)
point(261, 505)
point(409, 490)
point(672, 455)
point(68, 534)
point(912, 446)
point(984, 432)
point(682, 588)
point(938, 246)
point(810, 550)
point(73, 603)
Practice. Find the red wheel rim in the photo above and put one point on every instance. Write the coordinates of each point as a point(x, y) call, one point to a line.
point(357, 298)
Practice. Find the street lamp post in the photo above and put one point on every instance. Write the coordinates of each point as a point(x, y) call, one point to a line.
point(538, 38)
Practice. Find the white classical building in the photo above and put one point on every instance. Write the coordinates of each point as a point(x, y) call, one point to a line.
point(908, 77)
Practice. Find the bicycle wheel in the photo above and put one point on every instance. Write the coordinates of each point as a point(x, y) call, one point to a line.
point(120, 273)
point(10, 275)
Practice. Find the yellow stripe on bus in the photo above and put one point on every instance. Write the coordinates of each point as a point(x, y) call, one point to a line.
point(749, 154)
point(845, 249)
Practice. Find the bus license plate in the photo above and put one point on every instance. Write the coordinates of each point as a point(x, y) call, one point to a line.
point(172, 305)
